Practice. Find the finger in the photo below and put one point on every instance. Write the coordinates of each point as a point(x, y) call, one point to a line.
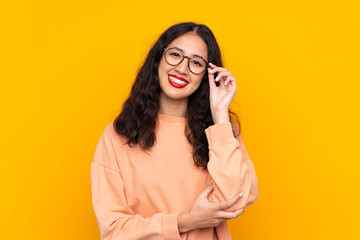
point(222, 74)
point(229, 79)
point(211, 79)
point(232, 81)
point(232, 85)
point(207, 191)
point(228, 204)
point(216, 68)
point(212, 65)
point(231, 215)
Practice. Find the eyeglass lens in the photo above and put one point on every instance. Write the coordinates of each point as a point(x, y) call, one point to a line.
point(174, 57)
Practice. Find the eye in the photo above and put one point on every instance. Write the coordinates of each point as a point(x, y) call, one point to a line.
point(197, 63)
point(175, 54)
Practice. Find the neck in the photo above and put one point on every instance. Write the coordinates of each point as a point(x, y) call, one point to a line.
point(173, 107)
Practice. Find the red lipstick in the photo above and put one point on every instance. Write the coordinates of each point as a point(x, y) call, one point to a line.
point(176, 84)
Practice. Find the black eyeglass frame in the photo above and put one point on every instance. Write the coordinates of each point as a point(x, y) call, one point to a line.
point(207, 64)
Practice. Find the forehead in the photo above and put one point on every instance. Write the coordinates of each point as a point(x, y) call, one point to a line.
point(191, 44)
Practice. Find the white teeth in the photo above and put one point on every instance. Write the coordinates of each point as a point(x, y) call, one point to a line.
point(175, 80)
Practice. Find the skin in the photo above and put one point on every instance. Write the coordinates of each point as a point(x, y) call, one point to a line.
point(202, 213)
point(173, 102)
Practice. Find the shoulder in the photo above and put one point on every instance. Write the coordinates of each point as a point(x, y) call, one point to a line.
point(110, 149)
point(111, 142)
point(109, 130)
point(110, 133)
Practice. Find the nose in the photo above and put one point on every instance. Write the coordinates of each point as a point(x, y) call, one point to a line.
point(183, 68)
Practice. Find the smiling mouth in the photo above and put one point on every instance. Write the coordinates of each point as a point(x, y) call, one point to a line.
point(177, 82)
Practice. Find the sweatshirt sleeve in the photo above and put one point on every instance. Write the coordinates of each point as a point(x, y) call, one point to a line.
point(115, 218)
point(230, 167)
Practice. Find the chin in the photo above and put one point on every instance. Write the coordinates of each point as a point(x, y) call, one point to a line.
point(174, 96)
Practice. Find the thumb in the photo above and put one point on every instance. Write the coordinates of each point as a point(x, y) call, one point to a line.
point(212, 83)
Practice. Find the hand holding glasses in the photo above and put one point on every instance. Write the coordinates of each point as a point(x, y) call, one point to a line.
point(197, 65)
point(221, 82)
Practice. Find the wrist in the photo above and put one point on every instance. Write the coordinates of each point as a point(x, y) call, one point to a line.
point(182, 223)
point(221, 117)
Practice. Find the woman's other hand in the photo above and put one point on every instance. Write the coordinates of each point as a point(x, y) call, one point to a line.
point(221, 97)
point(203, 214)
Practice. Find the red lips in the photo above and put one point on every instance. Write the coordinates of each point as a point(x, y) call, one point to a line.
point(175, 84)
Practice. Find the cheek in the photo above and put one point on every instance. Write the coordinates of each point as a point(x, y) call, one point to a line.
point(199, 80)
point(198, 83)
point(164, 66)
point(161, 66)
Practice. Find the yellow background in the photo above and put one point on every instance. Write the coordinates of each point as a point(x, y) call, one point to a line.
point(67, 66)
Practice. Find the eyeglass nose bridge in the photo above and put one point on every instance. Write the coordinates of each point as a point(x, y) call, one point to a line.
point(188, 63)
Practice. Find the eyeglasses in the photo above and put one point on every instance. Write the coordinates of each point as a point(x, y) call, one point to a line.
point(196, 64)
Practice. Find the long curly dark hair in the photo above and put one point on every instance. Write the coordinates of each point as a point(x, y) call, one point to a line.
point(138, 119)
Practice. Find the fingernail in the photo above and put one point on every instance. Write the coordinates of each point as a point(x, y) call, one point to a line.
point(241, 194)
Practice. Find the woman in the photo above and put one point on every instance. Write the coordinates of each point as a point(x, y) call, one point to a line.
point(173, 165)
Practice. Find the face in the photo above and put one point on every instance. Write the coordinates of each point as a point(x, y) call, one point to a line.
point(177, 82)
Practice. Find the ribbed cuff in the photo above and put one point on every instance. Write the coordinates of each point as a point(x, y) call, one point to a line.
point(170, 229)
point(219, 132)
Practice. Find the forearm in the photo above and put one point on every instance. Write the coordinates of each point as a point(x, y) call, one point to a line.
point(230, 169)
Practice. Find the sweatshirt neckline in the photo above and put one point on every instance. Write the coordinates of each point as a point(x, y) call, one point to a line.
point(166, 118)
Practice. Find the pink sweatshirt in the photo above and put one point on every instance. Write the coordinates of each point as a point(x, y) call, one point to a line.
point(138, 195)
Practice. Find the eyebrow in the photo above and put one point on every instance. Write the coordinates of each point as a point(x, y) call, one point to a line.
point(194, 55)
